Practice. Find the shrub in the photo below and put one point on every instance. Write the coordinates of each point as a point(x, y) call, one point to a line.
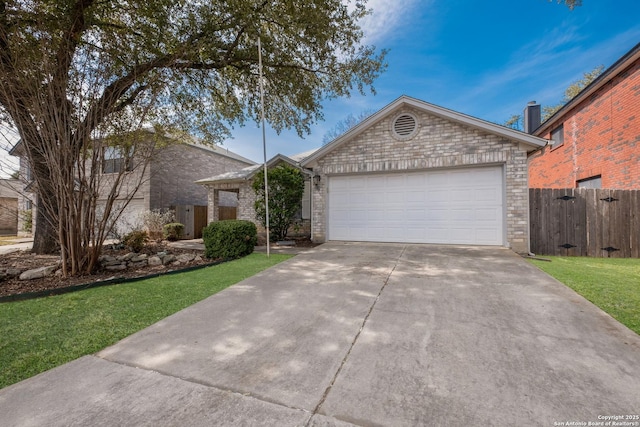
point(27, 220)
point(229, 239)
point(155, 220)
point(286, 188)
point(173, 231)
point(135, 240)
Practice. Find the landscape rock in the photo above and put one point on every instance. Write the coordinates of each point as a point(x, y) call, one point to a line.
point(168, 259)
point(185, 257)
point(138, 264)
point(13, 272)
point(138, 258)
point(198, 258)
point(116, 267)
point(154, 260)
point(38, 273)
point(129, 256)
point(105, 259)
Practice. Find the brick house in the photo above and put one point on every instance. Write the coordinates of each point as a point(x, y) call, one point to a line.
point(9, 207)
point(595, 138)
point(238, 185)
point(413, 172)
point(167, 183)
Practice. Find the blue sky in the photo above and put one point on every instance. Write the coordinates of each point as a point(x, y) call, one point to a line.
point(485, 58)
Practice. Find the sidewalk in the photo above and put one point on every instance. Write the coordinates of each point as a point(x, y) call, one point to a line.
point(21, 244)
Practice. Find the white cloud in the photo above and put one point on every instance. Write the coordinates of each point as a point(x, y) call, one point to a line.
point(387, 17)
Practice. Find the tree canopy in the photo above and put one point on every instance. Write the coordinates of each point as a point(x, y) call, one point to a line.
point(75, 71)
point(572, 90)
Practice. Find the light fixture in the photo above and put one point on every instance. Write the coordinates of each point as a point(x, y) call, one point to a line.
point(316, 180)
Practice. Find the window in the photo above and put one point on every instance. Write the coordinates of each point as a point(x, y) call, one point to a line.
point(115, 160)
point(557, 136)
point(592, 182)
point(305, 208)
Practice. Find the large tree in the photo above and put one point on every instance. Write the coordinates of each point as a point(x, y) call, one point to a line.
point(74, 73)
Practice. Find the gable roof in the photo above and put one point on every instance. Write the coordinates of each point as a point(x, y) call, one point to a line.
point(248, 172)
point(609, 74)
point(533, 142)
point(189, 141)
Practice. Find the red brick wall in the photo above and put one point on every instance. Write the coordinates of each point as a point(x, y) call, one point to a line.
point(601, 137)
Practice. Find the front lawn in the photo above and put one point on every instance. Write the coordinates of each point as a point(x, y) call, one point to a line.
point(43, 333)
point(613, 284)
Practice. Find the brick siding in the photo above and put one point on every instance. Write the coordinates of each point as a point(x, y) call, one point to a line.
point(174, 172)
point(601, 137)
point(439, 143)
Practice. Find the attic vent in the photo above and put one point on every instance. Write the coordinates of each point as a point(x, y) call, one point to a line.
point(404, 126)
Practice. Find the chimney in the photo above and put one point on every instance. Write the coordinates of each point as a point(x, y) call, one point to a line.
point(532, 117)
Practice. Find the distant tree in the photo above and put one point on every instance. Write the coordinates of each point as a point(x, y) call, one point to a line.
point(15, 175)
point(344, 125)
point(286, 187)
point(570, 92)
point(515, 121)
point(74, 73)
point(571, 4)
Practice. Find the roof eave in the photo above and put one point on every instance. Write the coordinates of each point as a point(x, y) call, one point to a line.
point(610, 73)
point(533, 142)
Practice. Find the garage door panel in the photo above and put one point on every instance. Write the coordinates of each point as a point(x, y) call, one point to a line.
point(463, 206)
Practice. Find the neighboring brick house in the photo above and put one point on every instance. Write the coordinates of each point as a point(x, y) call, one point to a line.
point(239, 185)
point(168, 181)
point(595, 136)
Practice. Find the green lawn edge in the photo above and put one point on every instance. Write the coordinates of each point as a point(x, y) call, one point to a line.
point(612, 284)
point(40, 334)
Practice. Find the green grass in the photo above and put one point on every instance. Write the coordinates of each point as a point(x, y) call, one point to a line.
point(37, 335)
point(613, 284)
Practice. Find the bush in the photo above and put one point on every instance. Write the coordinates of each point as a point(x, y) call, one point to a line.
point(173, 231)
point(135, 240)
point(229, 239)
point(27, 220)
point(286, 188)
point(155, 220)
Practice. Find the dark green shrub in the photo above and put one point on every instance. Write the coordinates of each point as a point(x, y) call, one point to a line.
point(135, 240)
point(286, 188)
point(229, 239)
point(27, 220)
point(172, 231)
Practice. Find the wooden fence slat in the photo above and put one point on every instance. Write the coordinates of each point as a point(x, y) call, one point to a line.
point(587, 222)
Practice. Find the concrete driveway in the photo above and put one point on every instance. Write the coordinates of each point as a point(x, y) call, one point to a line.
point(358, 334)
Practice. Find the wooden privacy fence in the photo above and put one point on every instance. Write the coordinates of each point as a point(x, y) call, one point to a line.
point(585, 222)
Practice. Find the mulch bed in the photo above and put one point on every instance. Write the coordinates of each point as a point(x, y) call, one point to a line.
point(25, 260)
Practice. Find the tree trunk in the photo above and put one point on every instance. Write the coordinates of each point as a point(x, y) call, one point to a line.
point(45, 239)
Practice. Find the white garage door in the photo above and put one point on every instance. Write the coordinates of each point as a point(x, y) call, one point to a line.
point(457, 206)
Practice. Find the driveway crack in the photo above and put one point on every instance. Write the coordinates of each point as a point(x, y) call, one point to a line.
point(355, 339)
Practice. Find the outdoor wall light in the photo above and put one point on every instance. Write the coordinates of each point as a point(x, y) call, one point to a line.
point(316, 180)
